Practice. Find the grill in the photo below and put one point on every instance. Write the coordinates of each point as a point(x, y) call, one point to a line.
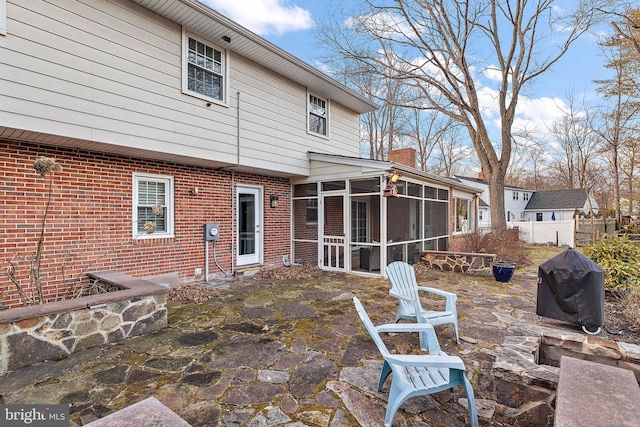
point(571, 289)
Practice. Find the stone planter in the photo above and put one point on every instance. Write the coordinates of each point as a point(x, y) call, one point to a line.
point(53, 331)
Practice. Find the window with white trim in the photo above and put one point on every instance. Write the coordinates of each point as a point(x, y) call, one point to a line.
point(3, 17)
point(152, 205)
point(318, 113)
point(515, 195)
point(205, 69)
point(463, 215)
point(312, 211)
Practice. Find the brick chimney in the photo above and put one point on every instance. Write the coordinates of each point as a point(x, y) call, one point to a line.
point(481, 175)
point(404, 156)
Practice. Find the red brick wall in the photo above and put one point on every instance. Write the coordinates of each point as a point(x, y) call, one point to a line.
point(89, 225)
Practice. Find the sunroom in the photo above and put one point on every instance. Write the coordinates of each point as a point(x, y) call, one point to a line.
point(356, 215)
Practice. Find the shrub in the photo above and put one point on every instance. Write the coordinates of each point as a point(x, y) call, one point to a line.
point(619, 257)
point(505, 243)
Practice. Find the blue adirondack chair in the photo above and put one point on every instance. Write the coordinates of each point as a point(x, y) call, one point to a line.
point(416, 375)
point(405, 288)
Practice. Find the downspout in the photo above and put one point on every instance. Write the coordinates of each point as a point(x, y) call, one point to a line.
point(233, 186)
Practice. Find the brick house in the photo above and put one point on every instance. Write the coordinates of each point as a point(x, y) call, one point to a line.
point(170, 104)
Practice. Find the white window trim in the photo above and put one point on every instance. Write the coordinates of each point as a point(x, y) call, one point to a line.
point(185, 78)
point(3, 17)
point(469, 216)
point(307, 210)
point(168, 179)
point(328, 112)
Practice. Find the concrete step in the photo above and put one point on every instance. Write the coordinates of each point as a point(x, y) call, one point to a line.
point(149, 412)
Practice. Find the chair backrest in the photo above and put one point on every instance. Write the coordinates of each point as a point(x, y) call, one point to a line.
point(364, 317)
point(403, 280)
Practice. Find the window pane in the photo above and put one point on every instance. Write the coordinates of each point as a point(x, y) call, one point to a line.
point(204, 71)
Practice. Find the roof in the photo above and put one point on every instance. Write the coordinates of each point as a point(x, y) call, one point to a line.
point(384, 166)
point(485, 182)
point(558, 199)
point(206, 22)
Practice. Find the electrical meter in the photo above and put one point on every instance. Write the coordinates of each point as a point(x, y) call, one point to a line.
point(211, 231)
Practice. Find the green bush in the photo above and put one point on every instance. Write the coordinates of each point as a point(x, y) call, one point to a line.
point(619, 257)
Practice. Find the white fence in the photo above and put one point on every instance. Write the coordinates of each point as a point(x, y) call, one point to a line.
point(560, 233)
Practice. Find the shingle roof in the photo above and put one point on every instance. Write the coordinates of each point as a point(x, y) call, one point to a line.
point(558, 199)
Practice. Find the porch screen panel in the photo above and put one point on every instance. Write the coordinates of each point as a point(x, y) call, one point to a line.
point(436, 220)
point(305, 252)
point(305, 226)
point(398, 219)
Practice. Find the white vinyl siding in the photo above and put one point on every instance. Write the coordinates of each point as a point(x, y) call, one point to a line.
point(151, 193)
point(67, 72)
point(3, 17)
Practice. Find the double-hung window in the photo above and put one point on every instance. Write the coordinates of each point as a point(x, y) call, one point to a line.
point(152, 205)
point(318, 114)
point(312, 211)
point(204, 70)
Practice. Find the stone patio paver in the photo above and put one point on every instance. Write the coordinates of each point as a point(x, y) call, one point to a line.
point(290, 353)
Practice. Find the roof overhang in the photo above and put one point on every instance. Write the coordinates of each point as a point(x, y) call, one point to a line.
point(207, 23)
point(381, 166)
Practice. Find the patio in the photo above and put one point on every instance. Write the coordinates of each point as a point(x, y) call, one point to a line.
point(287, 353)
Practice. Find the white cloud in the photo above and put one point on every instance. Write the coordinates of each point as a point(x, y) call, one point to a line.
point(493, 72)
point(264, 17)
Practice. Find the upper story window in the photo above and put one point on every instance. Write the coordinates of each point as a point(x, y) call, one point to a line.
point(525, 196)
point(152, 205)
point(205, 70)
point(3, 17)
point(515, 195)
point(318, 113)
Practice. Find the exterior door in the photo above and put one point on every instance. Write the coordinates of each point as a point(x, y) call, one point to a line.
point(249, 217)
point(333, 241)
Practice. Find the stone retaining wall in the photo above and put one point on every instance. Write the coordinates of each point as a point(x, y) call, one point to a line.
point(525, 372)
point(460, 262)
point(52, 331)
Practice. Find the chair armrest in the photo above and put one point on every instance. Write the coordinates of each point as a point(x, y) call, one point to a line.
point(427, 361)
point(402, 297)
point(438, 292)
point(406, 327)
point(428, 338)
point(450, 297)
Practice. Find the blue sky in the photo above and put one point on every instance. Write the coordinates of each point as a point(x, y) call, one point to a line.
point(291, 25)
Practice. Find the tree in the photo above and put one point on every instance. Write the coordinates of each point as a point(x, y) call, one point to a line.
point(576, 145)
point(441, 48)
point(618, 122)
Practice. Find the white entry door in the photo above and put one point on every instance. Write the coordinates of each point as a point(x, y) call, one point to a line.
point(249, 216)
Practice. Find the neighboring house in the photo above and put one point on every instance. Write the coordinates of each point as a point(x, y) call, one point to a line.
point(169, 104)
point(527, 205)
point(515, 200)
point(558, 205)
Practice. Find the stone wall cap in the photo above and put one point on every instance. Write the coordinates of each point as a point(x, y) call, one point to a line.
point(130, 288)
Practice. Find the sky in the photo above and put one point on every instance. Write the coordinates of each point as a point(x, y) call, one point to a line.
point(292, 24)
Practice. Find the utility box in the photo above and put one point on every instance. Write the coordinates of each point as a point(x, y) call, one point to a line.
point(211, 231)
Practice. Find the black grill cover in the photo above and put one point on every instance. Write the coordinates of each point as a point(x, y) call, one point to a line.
point(571, 288)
